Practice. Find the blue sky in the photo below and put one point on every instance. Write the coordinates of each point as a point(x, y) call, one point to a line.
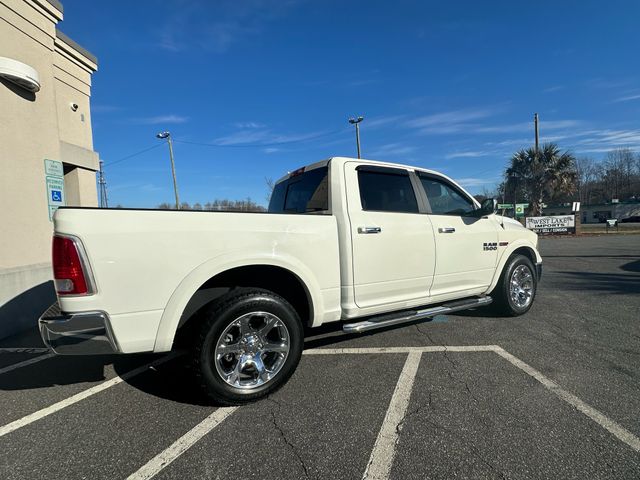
point(445, 85)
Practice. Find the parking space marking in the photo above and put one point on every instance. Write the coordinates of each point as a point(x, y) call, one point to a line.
point(21, 422)
point(384, 449)
point(26, 363)
point(184, 443)
point(605, 422)
point(435, 348)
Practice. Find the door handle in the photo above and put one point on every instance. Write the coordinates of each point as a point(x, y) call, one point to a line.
point(446, 230)
point(369, 230)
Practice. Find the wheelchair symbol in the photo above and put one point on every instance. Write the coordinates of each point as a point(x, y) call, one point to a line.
point(56, 196)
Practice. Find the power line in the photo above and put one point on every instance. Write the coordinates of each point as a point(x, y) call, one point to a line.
point(134, 154)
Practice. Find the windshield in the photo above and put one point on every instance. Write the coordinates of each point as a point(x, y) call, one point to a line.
point(304, 193)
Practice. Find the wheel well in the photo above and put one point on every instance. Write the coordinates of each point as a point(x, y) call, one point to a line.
point(527, 252)
point(276, 279)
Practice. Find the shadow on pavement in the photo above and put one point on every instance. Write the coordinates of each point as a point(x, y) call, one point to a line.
point(621, 283)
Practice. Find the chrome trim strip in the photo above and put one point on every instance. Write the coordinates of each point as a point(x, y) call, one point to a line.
point(384, 321)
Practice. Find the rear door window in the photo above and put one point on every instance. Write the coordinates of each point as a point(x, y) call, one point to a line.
point(303, 193)
point(386, 190)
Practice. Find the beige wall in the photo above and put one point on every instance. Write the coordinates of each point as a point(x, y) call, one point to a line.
point(35, 127)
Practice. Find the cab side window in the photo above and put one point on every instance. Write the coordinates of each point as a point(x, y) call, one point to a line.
point(387, 190)
point(444, 199)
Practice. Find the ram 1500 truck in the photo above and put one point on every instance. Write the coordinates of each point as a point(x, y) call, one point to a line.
point(369, 244)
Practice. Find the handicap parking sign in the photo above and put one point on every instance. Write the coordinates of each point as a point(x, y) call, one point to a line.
point(56, 196)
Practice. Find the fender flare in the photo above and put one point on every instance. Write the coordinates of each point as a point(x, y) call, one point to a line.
point(196, 278)
point(513, 246)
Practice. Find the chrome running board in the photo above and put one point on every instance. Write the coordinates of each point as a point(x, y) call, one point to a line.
point(387, 319)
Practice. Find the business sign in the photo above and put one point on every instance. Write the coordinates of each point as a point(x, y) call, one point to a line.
point(54, 178)
point(557, 225)
point(509, 206)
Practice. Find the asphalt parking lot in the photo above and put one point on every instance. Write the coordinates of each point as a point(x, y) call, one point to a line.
point(552, 394)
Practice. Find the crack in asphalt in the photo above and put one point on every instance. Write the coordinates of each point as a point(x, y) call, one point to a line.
point(417, 325)
point(472, 447)
point(283, 435)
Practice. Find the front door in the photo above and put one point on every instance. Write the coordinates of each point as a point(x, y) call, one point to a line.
point(392, 242)
point(467, 245)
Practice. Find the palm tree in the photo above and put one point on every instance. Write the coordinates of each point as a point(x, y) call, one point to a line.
point(541, 174)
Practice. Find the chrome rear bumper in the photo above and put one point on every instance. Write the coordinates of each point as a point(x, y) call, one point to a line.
point(85, 333)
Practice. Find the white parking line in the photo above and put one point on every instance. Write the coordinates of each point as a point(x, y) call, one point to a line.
point(384, 449)
point(605, 422)
point(31, 361)
point(431, 349)
point(164, 458)
point(10, 427)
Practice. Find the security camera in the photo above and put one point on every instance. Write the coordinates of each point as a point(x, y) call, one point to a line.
point(74, 107)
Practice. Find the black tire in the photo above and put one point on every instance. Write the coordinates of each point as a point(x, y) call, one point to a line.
point(222, 316)
point(503, 302)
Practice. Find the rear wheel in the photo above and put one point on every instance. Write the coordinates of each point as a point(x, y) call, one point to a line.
point(249, 345)
point(516, 288)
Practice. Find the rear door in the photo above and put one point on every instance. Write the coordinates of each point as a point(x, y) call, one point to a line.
point(466, 244)
point(392, 242)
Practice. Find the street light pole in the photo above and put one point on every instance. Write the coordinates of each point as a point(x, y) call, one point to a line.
point(356, 122)
point(167, 135)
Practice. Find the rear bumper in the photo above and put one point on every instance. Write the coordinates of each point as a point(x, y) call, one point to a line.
point(84, 333)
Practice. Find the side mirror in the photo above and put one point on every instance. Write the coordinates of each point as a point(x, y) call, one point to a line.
point(489, 206)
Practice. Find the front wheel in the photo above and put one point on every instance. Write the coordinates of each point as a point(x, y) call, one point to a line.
point(249, 345)
point(516, 288)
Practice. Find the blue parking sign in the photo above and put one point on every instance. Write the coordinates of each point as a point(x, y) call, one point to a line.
point(56, 196)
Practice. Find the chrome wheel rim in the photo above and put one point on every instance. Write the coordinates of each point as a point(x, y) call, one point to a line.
point(252, 350)
point(521, 286)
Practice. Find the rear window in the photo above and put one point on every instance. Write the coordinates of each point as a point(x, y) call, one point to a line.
point(304, 193)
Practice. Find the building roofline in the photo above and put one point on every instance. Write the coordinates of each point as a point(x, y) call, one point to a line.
point(90, 56)
point(56, 4)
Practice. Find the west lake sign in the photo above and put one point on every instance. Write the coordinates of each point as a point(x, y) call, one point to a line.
point(557, 225)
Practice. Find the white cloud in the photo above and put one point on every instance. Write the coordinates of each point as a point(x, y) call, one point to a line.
point(555, 88)
point(469, 154)
point(249, 125)
point(264, 136)
point(449, 122)
point(161, 119)
point(628, 98)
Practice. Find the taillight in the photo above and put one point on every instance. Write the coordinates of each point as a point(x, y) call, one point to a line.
point(68, 271)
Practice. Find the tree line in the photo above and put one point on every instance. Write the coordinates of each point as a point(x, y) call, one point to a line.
point(218, 205)
point(552, 176)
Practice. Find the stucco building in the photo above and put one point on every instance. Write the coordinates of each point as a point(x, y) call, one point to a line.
point(46, 149)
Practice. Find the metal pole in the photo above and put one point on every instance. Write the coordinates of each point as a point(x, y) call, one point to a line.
point(535, 121)
point(104, 202)
point(173, 172)
point(358, 138)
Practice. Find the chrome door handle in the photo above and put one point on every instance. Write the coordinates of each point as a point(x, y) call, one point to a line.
point(369, 230)
point(446, 230)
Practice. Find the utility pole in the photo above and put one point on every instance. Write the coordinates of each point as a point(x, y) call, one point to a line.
point(356, 122)
point(535, 122)
point(104, 203)
point(167, 135)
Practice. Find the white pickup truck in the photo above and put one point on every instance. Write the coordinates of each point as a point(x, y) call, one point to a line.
point(366, 243)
